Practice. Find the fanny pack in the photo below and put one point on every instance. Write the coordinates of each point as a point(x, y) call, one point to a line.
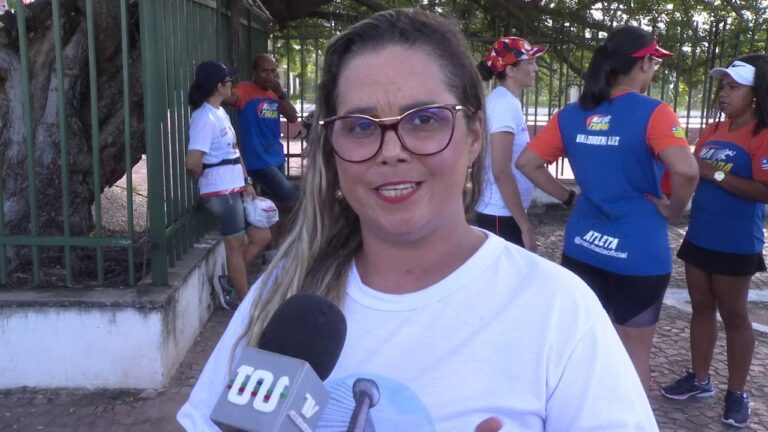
point(233, 161)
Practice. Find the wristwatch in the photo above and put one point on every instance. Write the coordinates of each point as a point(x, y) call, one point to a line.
point(718, 176)
point(248, 180)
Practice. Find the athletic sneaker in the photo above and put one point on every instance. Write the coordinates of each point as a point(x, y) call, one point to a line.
point(737, 407)
point(227, 294)
point(688, 386)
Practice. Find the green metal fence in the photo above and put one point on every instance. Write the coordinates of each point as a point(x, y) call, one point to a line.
point(175, 35)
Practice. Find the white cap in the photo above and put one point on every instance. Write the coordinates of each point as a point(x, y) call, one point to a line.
point(741, 72)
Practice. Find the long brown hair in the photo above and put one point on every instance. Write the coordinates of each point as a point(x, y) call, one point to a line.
point(316, 255)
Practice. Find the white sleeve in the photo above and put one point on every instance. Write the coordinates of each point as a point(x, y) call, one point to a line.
point(502, 115)
point(598, 388)
point(195, 414)
point(201, 131)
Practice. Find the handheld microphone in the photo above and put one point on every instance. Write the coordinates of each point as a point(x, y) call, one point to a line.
point(366, 394)
point(279, 386)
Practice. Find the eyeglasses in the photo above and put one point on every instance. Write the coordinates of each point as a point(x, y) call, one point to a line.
point(423, 131)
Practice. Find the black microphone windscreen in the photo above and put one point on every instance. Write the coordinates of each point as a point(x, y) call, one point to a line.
point(307, 327)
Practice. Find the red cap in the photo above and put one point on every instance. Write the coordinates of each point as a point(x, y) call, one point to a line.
point(653, 50)
point(509, 49)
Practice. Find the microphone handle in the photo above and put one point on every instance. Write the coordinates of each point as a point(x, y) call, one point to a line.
point(359, 415)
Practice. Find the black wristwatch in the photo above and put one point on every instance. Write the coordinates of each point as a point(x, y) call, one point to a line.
point(248, 180)
point(571, 196)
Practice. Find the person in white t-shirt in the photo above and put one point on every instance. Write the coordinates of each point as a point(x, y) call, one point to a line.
point(213, 157)
point(507, 193)
point(458, 329)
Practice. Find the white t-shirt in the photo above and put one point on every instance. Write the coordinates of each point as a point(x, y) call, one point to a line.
point(211, 132)
point(508, 334)
point(504, 113)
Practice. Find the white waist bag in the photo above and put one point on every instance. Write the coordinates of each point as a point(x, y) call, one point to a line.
point(260, 212)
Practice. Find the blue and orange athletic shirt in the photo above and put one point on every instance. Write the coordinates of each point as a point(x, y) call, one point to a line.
point(720, 220)
point(613, 152)
point(259, 118)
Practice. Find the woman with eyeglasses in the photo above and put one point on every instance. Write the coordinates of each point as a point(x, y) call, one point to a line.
point(618, 142)
point(723, 247)
point(507, 193)
point(458, 329)
point(213, 158)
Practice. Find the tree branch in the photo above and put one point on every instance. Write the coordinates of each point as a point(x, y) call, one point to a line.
point(372, 5)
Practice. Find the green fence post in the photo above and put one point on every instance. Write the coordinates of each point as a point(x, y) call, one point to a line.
point(153, 121)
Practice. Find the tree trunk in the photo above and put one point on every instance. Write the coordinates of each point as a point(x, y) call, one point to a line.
point(45, 90)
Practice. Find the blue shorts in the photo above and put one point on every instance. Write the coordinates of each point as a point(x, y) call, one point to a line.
point(274, 185)
point(228, 211)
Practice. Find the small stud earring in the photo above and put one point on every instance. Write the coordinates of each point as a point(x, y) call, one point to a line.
point(339, 195)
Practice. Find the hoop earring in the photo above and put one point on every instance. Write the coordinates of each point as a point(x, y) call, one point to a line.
point(339, 195)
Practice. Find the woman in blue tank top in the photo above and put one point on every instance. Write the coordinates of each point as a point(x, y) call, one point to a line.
point(618, 141)
point(723, 247)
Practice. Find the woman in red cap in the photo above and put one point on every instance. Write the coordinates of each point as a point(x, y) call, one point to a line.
point(723, 247)
point(617, 141)
point(507, 193)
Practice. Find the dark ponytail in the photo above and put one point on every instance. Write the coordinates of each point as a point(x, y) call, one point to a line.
point(198, 95)
point(597, 82)
point(610, 60)
point(760, 88)
point(486, 73)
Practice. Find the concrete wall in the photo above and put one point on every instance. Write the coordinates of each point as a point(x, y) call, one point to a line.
point(110, 338)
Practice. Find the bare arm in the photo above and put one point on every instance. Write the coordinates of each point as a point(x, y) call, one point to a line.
point(534, 167)
point(284, 106)
point(287, 109)
point(194, 162)
point(684, 176)
point(502, 149)
point(753, 190)
point(249, 190)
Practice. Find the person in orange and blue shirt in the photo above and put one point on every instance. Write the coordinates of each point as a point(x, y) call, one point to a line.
point(618, 142)
point(723, 247)
point(260, 103)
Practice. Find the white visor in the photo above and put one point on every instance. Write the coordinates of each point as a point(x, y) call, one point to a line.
point(741, 72)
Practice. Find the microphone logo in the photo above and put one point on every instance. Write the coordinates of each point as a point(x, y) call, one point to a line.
point(310, 406)
point(258, 386)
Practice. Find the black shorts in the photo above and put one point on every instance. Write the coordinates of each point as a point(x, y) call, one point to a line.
point(503, 226)
point(722, 263)
point(631, 301)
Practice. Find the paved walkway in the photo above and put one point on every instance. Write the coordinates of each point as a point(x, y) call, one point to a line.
point(53, 410)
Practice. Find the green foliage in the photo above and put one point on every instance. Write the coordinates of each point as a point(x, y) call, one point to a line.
point(703, 35)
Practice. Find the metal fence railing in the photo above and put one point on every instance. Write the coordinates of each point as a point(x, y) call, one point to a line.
point(156, 47)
